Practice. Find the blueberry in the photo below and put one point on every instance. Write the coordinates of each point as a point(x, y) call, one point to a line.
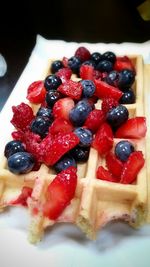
point(85, 136)
point(112, 78)
point(74, 63)
point(88, 88)
point(13, 147)
point(21, 162)
point(80, 154)
point(45, 112)
point(40, 126)
point(104, 66)
point(90, 63)
point(96, 57)
point(126, 79)
point(110, 56)
point(80, 112)
point(52, 82)
point(123, 149)
point(51, 97)
point(56, 65)
point(117, 116)
point(128, 97)
point(64, 163)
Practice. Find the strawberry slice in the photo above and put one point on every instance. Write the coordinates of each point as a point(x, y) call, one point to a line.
point(132, 167)
point(123, 63)
point(133, 128)
point(60, 192)
point(60, 125)
point(95, 118)
point(23, 197)
point(58, 146)
point(36, 92)
point(65, 61)
point(103, 90)
point(64, 74)
point(103, 140)
point(109, 103)
point(86, 72)
point(62, 107)
point(71, 89)
point(105, 175)
point(114, 165)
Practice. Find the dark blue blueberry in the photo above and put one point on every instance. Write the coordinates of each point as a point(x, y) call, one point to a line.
point(117, 116)
point(112, 78)
point(123, 149)
point(64, 163)
point(51, 97)
point(21, 162)
point(110, 56)
point(52, 82)
point(45, 112)
point(80, 112)
point(80, 154)
point(126, 79)
point(96, 57)
point(128, 97)
point(74, 63)
point(56, 65)
point(85, 136)
point(88, 88)
point(104, 66)
point(13, 147)
point(90, 63)
point(40, 126)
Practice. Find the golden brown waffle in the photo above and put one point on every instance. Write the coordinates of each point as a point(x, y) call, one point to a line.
point(96, 202)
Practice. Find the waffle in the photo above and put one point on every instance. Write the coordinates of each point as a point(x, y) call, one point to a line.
point(96, 202)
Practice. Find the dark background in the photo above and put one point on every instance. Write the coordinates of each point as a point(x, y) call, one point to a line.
point(78, 20)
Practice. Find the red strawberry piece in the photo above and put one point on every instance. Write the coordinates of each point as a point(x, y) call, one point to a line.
point(36, 92)
point(45, 146)
point(105, 175)
point(103, 90)
point(60, 192)
point(86, 72)
point(22, 116)
point(59, 145)
point(62, 107)
point(23, 197)
point(133, 128)
point(95, 118)
point(114, 165)
point(103, 140)
point(108, 104)
point(71, 89)
point(132, 167)
point(123, 63)
point(65, 62)
point(32, 144)
point(82, 53)
point(64, 74)
point(60, 125)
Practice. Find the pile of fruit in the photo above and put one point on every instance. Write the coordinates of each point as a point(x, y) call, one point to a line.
point(68, 121)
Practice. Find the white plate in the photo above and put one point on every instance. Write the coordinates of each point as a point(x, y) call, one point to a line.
point(63, 245)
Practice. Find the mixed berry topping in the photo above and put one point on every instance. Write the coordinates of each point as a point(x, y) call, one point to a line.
point(68, 123)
